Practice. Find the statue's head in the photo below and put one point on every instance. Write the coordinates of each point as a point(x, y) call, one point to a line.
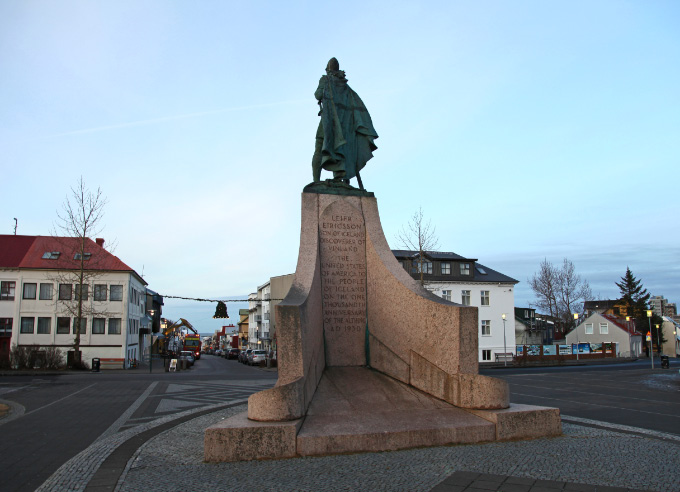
point(333, 65)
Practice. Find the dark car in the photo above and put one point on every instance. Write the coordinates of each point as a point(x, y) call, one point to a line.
point(243, 356)
point(233, 353)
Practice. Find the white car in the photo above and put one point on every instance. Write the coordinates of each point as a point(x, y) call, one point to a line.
point(257, 357)
point(188, 356)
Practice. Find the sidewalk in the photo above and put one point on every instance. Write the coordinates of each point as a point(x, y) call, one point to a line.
point(167, 455)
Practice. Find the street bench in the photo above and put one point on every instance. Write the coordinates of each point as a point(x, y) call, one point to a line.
point(503, 357)
point(112, 363)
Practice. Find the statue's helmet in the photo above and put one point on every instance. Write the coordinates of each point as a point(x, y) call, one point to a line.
point(333, 65)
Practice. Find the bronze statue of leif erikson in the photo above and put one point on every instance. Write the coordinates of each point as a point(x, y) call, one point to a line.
point(345, 137)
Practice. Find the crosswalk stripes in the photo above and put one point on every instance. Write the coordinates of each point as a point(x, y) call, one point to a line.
point(176, 397)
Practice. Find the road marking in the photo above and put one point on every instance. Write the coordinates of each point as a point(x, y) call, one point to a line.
point(60, 399)
point(115, 427)
point(552, 388)
point(607, 425)
point(4, 391)
point(596, 405)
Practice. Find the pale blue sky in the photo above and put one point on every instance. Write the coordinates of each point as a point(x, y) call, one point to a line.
point(525, 130)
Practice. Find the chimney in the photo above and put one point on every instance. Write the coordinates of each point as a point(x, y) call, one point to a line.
point(100, 241)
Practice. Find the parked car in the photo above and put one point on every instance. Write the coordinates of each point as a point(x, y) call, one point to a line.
point(257, 357)
point(188, 356)
point(218, 352)
point(243, 356)
point(233, 353)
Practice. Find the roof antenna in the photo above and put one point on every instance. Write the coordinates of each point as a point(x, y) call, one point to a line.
point(16, 222)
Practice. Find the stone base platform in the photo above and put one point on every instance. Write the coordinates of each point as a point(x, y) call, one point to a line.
point(356, 409)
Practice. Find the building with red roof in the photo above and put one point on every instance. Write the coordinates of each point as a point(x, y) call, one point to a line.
point(40, 290)
point(598, 329)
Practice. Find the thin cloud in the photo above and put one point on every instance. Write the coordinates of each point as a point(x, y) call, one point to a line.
point(173, 118)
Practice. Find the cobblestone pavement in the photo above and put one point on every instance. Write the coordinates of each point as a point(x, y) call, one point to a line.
point(464, 481)
point(173, 460)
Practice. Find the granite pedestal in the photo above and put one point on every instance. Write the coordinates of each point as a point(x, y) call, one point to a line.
point(368, 359)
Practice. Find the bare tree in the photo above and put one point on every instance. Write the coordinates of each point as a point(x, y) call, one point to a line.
point(79, 220)
point(544, 284)
point(572, 289)
point(418, 235)
point(560, 291)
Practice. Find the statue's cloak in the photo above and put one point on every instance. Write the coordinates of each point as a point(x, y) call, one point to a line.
point(348, 132)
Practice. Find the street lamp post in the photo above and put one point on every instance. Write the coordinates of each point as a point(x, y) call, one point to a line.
point(651, 345)
point(576, 330)
point(658, 341)
point(505, 347)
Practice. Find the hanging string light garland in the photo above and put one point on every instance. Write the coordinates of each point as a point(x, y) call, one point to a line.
point(221, 309)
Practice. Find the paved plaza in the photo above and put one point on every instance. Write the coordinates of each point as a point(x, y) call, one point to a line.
point(170, 457)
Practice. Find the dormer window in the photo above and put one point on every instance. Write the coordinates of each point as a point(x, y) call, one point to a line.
point(85, 256)
point(425, 266)
point(446, 268)
point(51, 255)
point(465, 269)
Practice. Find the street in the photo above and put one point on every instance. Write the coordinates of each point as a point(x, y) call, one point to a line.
point(54, 417)
point(619, 394)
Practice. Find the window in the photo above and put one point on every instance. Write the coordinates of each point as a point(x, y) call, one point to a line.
point(446, 294)
point(63, 325)
point(51, 255)
point(83, 326)
point(44, 326)
point(30, 291)
point(114, 326)
point(98, 326)
point(589, 328)
point(45, 292)
point(7, 291)
point(6, 327)
point(446, 268)
point(27, 325)
point(65, 292)
point(426, 267)
point(486, 354)
point(86, 290)
point(486, 327)
point(485, 298)
point(604, 328)
point(465, 269)
point(86, 256)
point(465, 298)
point(100, 292)
point(116, 293)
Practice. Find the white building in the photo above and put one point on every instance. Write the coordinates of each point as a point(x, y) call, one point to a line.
point(254, 318)
point(465, 281)
point(261, 320)
point(671, 333)
point(39, 291)
point(604, 328)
